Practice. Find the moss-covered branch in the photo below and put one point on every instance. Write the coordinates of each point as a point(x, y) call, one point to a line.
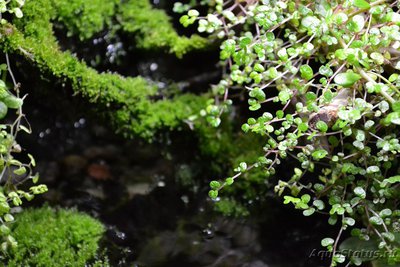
point(126, 99)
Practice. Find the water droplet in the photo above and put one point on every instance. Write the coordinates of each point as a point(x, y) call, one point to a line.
point(161, 85)
point(120, 235)
point(153, 66)
point(185, 199)
point(216, 199)
point(208, 233)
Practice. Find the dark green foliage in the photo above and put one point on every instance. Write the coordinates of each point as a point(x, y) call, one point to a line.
point(48, 237)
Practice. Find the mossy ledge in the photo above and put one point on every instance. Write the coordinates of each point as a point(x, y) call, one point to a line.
point(126, 100)
point(50, 237)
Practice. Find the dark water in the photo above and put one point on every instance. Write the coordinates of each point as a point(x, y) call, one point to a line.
point(152, 197)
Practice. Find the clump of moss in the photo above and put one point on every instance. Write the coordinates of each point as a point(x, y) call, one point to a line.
point(154, 30)
point(231, 207)
point(48, 237)
point(85, 17)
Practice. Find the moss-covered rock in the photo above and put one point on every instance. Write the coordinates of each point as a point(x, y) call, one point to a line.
point(48, 237)
point(126, 102)
point(154, 30)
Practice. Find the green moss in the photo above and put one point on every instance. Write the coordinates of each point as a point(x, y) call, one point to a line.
point(227, 145)
point(248, 147)
point(47, 237)
point(228, 148)
point(124, 101)
point(168, 113)
point(230, 207)
point(84, 17)
point(154, 30)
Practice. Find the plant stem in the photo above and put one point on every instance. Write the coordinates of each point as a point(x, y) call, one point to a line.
point(368, 78)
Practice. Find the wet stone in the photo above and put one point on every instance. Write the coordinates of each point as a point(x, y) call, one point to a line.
point(74, 164)
point(108, 152)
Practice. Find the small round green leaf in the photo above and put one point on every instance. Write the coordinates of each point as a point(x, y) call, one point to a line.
point(229, 181)
point(356, 24)
point(308, 212)
point(327, 242)
point(13, 102)
point(319, 154)
point(213, 194)
point(306, 72)
point(360, 192)
point(347, 79)
point(361, 4)
point(215, 184)
point(3, 110)
point(322, 126)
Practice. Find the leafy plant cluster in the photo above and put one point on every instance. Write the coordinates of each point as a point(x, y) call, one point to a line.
point(12, 7)
point(322, 82)
point(13, 172)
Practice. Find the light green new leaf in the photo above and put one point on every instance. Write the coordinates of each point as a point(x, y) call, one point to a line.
point(390, 180)
point(361, 4)
point(327, 242)
point(306, 72)
point(319, 154)
point(347, 79)
point(3, 110)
